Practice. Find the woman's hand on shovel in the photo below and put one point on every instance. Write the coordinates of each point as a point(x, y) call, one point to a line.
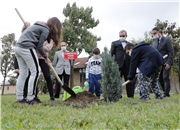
point(47, 60)
point(26, 25)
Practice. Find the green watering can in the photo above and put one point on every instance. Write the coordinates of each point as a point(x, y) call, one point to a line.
point(76, 89)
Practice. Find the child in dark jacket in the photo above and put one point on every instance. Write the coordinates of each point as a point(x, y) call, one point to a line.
point(149, 61)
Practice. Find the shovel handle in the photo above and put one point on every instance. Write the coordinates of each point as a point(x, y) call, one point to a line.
point(19, 15)
point(52, 68)
point(127, 81)
point(165, 56)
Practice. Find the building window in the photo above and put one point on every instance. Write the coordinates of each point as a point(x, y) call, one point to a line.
point(7, 87)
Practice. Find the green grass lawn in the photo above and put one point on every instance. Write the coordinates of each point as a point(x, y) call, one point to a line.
point(124, 114)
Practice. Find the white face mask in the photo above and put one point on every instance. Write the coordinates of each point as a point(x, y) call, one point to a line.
point(122, 39)
point(130, 53)
point(96, 56)
point(63, 48)
point(156, 36)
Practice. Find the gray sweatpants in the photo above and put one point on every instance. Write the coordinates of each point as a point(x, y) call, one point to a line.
point(27, 60)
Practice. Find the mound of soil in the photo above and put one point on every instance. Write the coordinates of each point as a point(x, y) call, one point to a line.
point(82, 99)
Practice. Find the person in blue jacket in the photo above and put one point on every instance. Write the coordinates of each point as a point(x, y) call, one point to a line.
point(149, 61)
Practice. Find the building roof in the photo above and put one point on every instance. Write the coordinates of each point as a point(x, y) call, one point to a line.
point(80, 63)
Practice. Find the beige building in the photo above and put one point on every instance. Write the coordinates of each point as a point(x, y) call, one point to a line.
point(8, 89)
point(79, 65)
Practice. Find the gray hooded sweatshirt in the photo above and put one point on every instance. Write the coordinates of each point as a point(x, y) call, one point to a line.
point(34, 38)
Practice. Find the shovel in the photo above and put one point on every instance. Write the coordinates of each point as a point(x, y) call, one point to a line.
point(64, 86)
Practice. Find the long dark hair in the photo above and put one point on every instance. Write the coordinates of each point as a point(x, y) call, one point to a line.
point(55, 27)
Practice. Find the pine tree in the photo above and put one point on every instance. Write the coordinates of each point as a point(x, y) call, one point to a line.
point(111, 80)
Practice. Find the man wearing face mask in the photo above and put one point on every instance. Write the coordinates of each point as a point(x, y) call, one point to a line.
point(62, 68)
point(164, 46)
point(118, 49)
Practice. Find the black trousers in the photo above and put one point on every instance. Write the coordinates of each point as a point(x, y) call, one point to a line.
point(25, 90)
point(58, 86)
point(47, 76)
point(124, 71)
point(165, 81)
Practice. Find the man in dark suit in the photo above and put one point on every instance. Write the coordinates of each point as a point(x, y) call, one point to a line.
point(164, 46)
point(117, 49)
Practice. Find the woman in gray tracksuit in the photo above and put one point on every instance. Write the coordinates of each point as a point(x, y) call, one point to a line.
point(25, 50)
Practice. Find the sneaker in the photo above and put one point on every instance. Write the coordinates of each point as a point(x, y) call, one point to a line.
point(101, 99)
point(23, 101)
point(37, 99)
point(34, 101)
point(52, 99)
point(98, 97)
point(159, 97)
point(144, 99)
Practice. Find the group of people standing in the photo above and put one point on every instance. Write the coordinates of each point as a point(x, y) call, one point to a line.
point(36, 41)
point(149, 62)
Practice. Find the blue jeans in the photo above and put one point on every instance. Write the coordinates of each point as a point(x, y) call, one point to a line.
point(93, 81)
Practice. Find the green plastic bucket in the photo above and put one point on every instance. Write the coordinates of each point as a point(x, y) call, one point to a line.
point(76, 89)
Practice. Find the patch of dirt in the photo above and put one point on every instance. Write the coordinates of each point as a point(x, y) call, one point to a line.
point(82, 99)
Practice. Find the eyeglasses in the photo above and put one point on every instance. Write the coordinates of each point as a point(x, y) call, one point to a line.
point(122, 36)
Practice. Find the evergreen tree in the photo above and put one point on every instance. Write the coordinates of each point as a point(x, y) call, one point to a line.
point(111, 79)
point(12, 80)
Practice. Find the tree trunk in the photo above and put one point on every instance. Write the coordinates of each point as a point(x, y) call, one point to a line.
point(3, 86)
point(42, 88)
point(72, 75)
point(174, 83)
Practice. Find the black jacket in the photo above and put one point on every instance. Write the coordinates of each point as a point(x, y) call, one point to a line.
point(16, 66)
point(120, 54)
point(165, 47)
point(146, 58)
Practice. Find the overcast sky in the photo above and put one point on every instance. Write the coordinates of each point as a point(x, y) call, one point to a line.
point(135, 17)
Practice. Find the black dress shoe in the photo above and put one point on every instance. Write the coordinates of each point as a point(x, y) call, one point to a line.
point(52, 99)
point(166, 96)
point(159, 97)
point(56, 97)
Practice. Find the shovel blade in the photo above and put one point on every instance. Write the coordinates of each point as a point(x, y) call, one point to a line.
point(69, 90)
